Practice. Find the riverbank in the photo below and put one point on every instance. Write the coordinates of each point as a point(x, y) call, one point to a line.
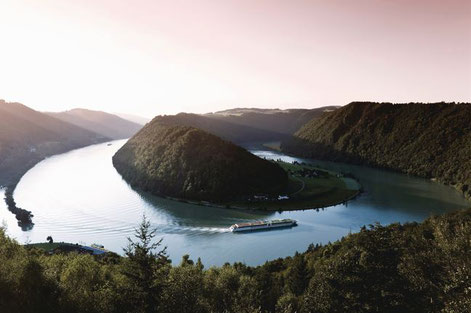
point(465, 190)
point(19, 168)
point(393, 259)
point(24, 217)
point(309, 188)
point(67, 247)
point(8, 184)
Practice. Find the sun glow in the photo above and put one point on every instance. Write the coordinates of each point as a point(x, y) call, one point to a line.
point(154, 57)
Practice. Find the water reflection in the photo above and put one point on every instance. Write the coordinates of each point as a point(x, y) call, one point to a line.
point(199, 215)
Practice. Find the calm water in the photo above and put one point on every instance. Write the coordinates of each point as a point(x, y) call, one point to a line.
point(79, 197)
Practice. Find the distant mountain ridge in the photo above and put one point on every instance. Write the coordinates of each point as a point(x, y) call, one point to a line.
point(235, 133)
point(134, 118)
point(273, 120)
point(242, 125)
point(105, 124)
point(185, 162)
point(427, 140)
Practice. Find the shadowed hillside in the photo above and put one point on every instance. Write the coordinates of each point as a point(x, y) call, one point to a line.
point(427, 140)
point(105, 124)
point(185, 162)
point(27, 136)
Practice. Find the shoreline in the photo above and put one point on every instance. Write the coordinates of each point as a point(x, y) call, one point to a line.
point(245, 208)
point(268, 206)
point(25, 217)
point(437, 180)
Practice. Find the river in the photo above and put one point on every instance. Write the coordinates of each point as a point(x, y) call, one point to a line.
point(79, 197)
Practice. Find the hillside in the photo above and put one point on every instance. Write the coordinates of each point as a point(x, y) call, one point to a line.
point(189, 163)
point(274, 120)
point(427, 140)
point(27, 136)
point(105, 124)
point(134, 118)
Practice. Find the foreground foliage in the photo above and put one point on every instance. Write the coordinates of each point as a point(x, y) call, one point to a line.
point(399, 268)
point(427, 140)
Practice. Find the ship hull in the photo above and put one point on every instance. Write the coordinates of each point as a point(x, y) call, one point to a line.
point(262, 227)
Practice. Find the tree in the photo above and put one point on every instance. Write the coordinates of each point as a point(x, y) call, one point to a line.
point(145, 269)
point(83, 286)
point(297, 276)
point(184, 288)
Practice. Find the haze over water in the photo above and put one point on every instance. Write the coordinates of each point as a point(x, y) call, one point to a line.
point(79, 197)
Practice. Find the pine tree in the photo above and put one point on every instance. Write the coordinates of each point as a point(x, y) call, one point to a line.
point(145, 269)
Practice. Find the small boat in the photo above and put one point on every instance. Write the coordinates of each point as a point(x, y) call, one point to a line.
point(262, 225)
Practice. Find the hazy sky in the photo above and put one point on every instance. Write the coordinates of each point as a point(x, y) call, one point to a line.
point(151, 57)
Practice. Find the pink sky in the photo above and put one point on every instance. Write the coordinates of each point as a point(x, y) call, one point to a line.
point(153, 57)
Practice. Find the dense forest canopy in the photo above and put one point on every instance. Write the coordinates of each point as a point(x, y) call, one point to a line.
point(427, 140)
point(399, 268)
point(189, 163)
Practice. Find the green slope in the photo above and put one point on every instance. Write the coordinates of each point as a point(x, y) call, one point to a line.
point(189, 163)
point(427, 140)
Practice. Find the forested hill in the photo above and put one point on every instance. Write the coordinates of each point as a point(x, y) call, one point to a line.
point(105, 124)
point(428, 140)
point(186, 162)
point(27, 136)
point(274, 120)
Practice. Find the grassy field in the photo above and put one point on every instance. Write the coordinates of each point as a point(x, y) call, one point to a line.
point(274, 145)
point(45, 245)
point(326, 189)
